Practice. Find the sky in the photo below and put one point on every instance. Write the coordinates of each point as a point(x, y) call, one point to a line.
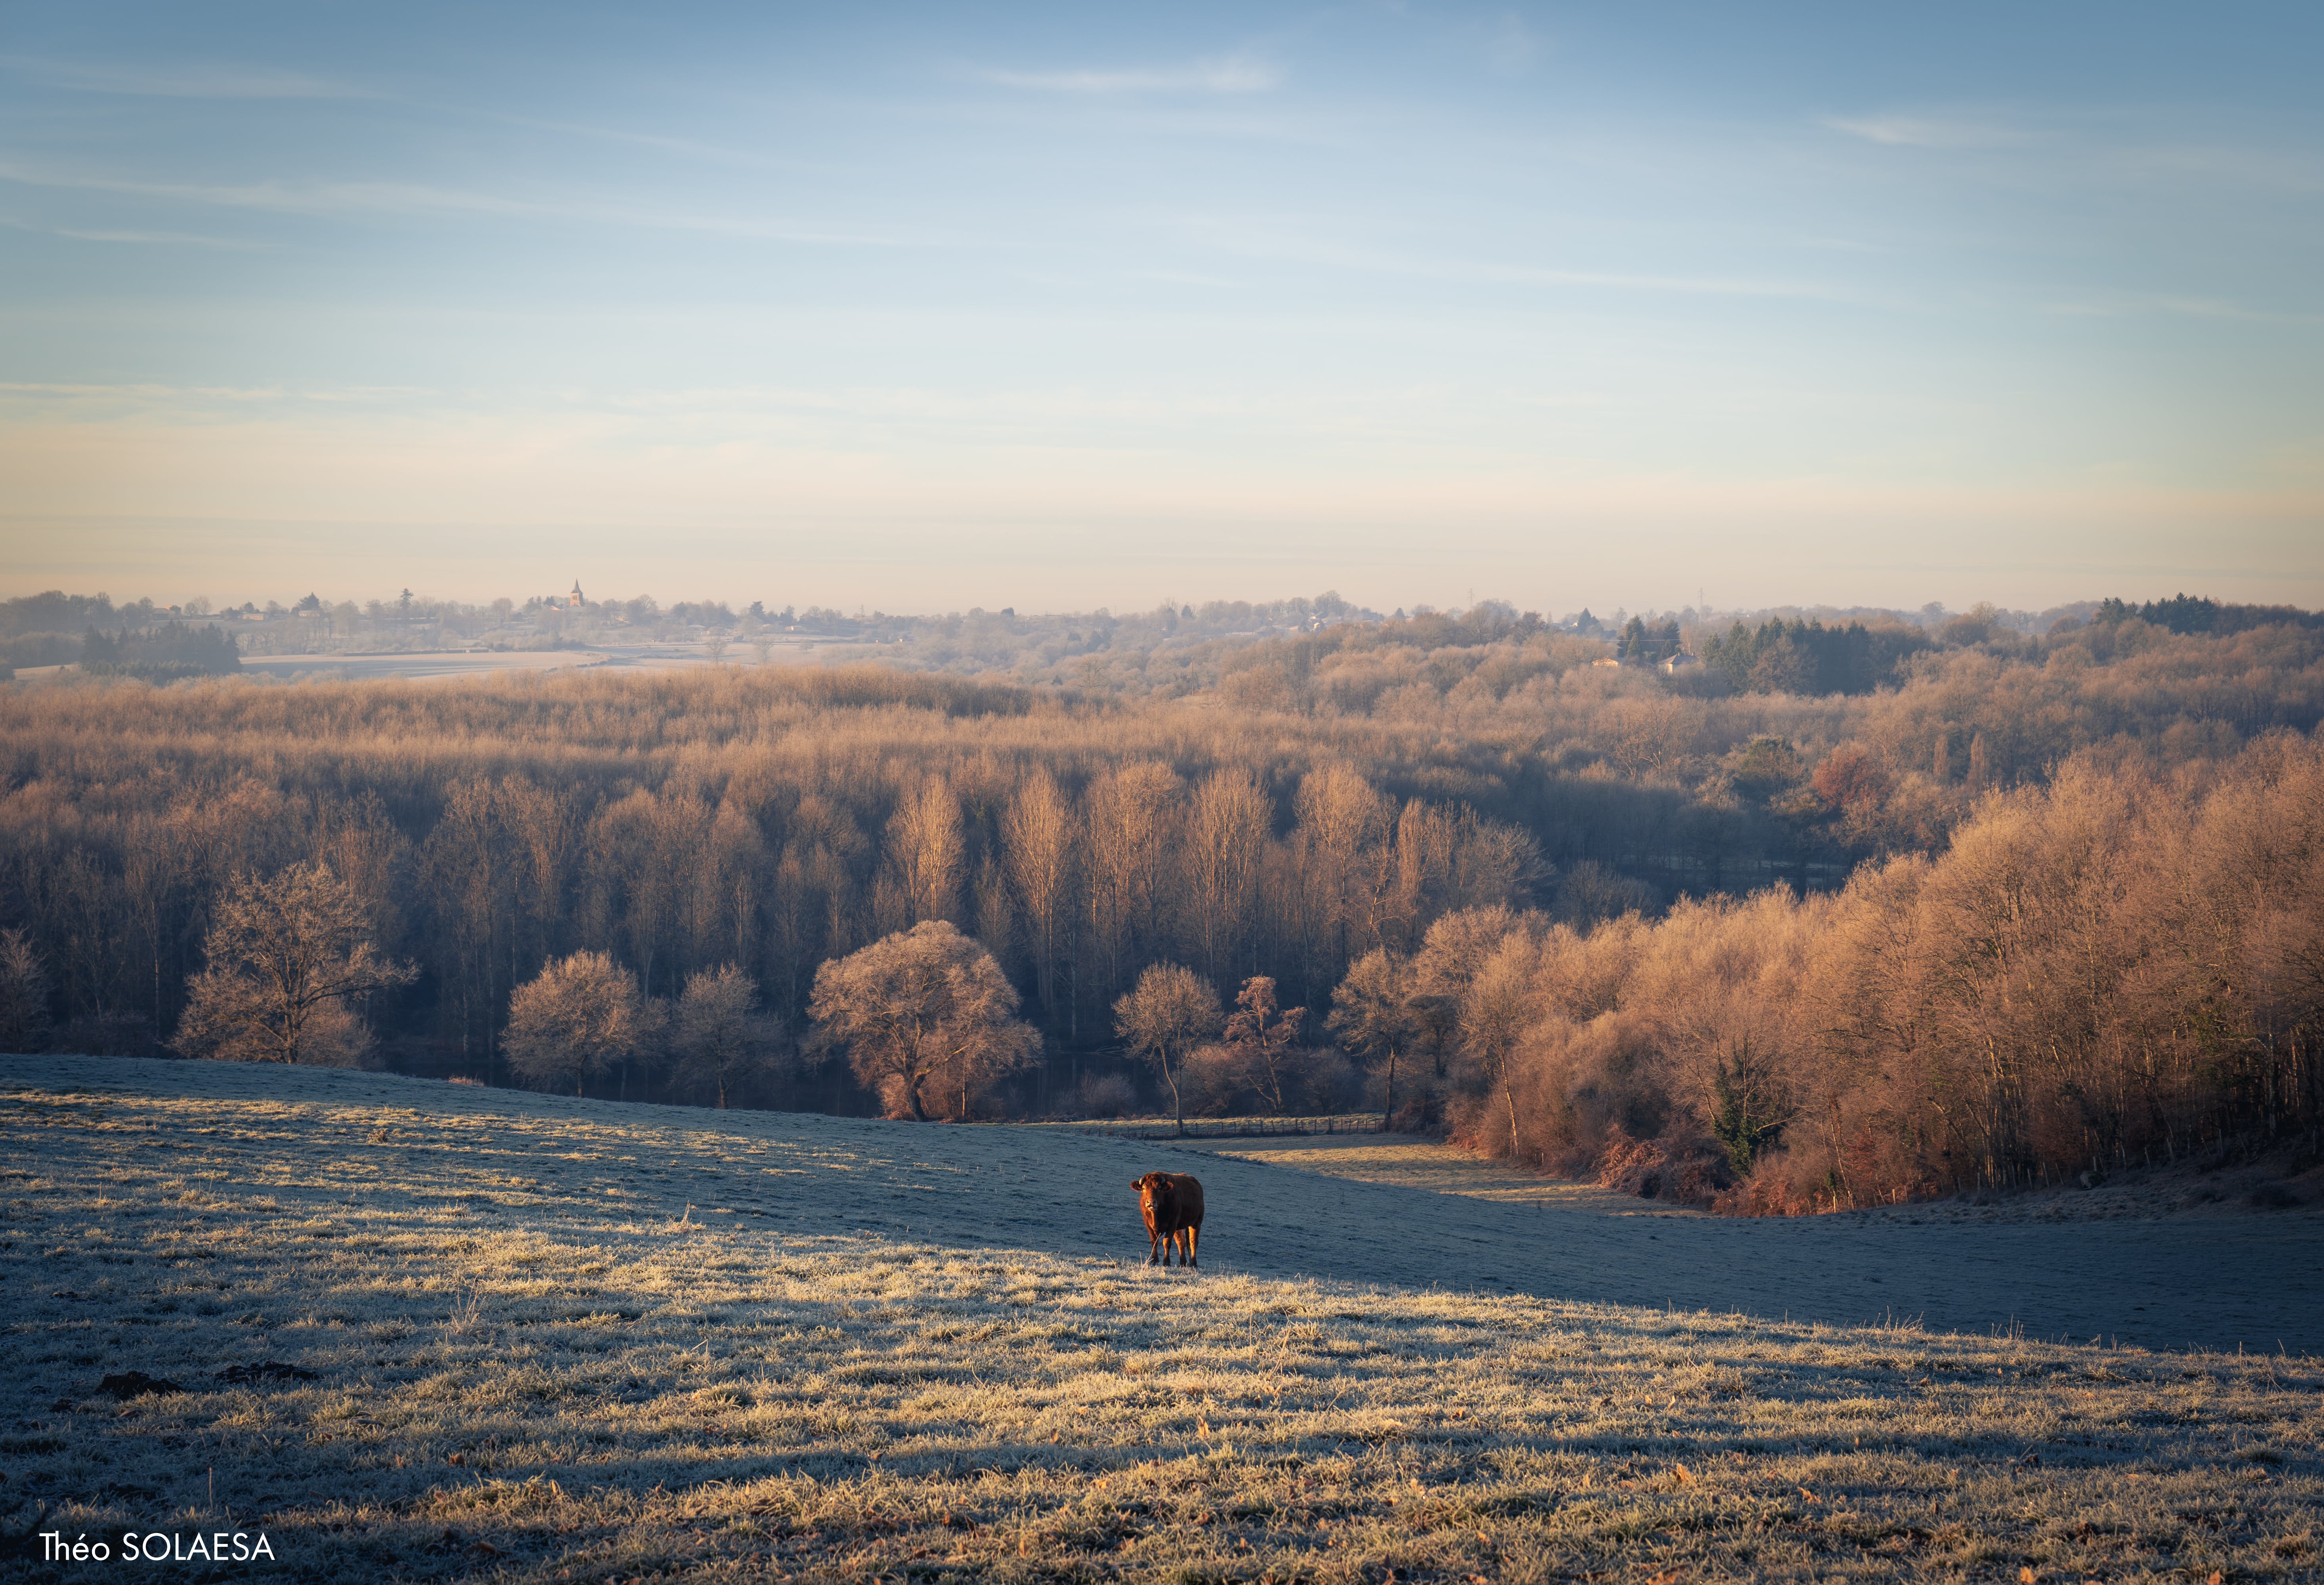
point(924, 308)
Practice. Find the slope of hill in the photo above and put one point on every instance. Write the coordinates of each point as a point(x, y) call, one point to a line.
point(552, 1338)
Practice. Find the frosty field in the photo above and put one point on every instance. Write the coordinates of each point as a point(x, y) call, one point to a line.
point(554, 1339)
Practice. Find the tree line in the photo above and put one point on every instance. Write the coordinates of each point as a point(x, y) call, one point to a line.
point(2115, 968)
point(487, 833)
point(760, 826)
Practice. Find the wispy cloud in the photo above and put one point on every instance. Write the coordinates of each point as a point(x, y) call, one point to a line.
point(1238, 238)
point(2113, 147)
point(140, 392)
point(153, 238)
point(686, 148)
point(2182, 308)
point(1227, 74)
point(2290, 170)
point(183, 82)
point(408, 198)
point(1930, 132)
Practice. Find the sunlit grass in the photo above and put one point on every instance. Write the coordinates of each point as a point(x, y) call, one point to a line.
point(517, 1380)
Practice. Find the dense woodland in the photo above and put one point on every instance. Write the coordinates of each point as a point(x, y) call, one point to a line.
point(2000, 905)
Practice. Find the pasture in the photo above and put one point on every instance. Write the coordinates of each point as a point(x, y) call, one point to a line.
point(549, 1338)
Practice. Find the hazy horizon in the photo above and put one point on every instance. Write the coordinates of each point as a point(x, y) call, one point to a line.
point(930, 309)
point(212, 604)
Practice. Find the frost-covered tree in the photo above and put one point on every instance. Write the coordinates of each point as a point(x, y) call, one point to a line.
point(1372, 1015)
point(289, 959)
point(1263, 1041)
point(579, 1016)
point(720, 1035)
point(23, 992)
point(1170, 1011)
point(923, 1014)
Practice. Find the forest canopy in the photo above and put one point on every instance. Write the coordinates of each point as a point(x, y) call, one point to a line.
point(1473, 805)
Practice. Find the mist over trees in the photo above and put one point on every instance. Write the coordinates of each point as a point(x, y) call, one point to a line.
point(1594, 914)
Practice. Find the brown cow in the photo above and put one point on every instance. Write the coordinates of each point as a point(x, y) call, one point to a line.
point(1173, 1204)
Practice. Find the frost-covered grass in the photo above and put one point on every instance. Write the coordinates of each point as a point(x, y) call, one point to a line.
point(550, 1342)
point(1332, 1125)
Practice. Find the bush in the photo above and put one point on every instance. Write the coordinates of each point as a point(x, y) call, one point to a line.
point(107, 1034)
point(1104, 1095)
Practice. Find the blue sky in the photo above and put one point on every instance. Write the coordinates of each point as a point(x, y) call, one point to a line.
point(930, 306)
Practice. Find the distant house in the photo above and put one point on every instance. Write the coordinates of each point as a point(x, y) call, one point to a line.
point(1679, 663)
point(1610, 660)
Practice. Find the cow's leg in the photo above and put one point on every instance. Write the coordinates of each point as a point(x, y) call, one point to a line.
point(1191, 1235)
point(1154, 1249)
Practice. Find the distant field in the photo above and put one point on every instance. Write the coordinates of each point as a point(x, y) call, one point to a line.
point(425, 665)
point(1344, 1125)
point(1407, 1162)
point(438, 664)
point(555, 1339)
point(1351, 1148)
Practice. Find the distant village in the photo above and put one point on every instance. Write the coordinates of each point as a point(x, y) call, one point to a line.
point(1809, 650)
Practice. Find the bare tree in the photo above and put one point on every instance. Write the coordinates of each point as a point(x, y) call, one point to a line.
point(1132, 829)
point(1038, 837)
point(1261, 1039)
point(721, 1037)
point(23, 992)
point(1226, 836)
point(152, 875)
point(1372, 1016)
point(1172, 1010)
point(1342, 833)
point(289, 956)
point(466, 866)
point(926, 849)
point(1500, 1006)
point(922, 1007)
point(1590, 892)
point(540, 825)
point(580, 1015)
